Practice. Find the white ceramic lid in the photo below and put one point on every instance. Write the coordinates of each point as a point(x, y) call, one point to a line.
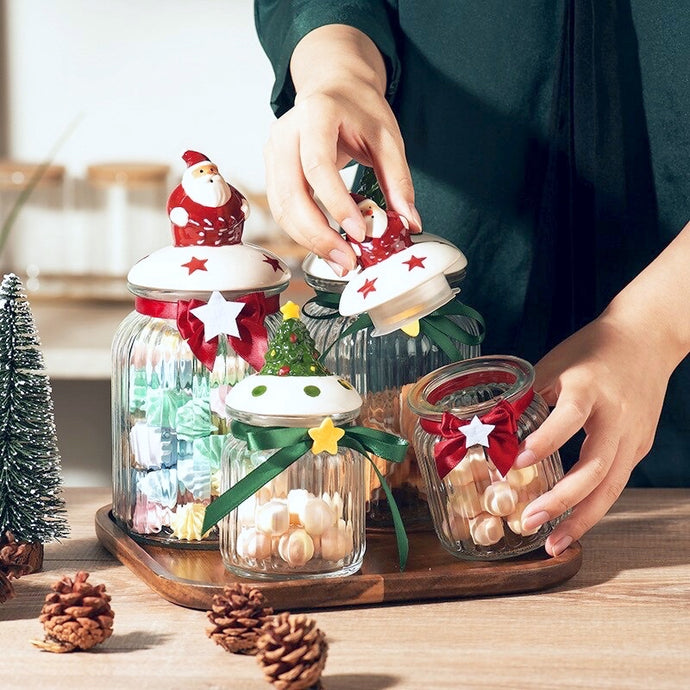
point(402, 288)
point(199, 269)
point(316, 267)
point(293, 396)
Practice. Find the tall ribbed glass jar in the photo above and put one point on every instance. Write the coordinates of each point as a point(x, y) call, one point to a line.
point(169, 426)
point(477, 510)
point(308, 522)
point(381, 368)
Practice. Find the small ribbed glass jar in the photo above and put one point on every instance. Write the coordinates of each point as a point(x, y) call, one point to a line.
point(477, 511)
point(308, 522)
point(169, 425)
point(380, 368)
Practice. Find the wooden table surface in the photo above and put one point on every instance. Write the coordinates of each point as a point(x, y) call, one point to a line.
point(622, 622)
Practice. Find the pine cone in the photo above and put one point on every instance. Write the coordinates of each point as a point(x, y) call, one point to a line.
point(237, 616)
point(292, 652)
point(6, 588)
point(19, 558)
point(76, 616)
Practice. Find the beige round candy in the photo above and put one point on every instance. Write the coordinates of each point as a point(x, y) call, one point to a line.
point(317, 516)
point(246, 511)
point(337, 541)
point(486, 529)
point(279, 485)
point(499, 499)
point(253, 545)
point(296, 499)
point(273, 518)
point(514, 521)
point(461, 474)
point(465, 501)
point(521, 477)
point(296, 548)
point(335, 501)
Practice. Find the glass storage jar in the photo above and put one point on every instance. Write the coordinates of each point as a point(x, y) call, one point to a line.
point(306, 522)
point(381, 368)
point(472, 416)
point(202, 313)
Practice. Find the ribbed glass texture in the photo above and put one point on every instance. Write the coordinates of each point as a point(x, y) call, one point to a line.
point(477, 512)
point(380, 368)
point(308, 522)
point(168, 427)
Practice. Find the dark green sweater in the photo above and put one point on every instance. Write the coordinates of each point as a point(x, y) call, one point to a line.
point(548, 139)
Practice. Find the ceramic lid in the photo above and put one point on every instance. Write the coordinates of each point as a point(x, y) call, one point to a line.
point(207, 218)
point(292, 383)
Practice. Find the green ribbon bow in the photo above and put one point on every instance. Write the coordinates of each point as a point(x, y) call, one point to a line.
point(440, 329)
point(292, 443)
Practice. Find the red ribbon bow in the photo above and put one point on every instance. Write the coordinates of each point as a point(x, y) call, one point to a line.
point(503, 440)
point(252, 343)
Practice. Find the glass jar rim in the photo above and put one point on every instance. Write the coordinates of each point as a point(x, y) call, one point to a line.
point(423, 398)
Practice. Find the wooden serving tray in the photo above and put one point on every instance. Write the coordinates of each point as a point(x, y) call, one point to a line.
point(191, 577)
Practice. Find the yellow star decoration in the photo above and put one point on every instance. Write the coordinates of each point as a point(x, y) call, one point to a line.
point(412, 329)
point(326, 437)
point(290, 311)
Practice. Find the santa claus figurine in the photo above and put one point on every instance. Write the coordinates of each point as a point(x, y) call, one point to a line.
point(204, 209)
point(387, 233)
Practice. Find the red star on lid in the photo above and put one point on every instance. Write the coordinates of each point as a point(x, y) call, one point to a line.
point(273, 263)
point(368, 287)
point(415, 262)
point(195, 264)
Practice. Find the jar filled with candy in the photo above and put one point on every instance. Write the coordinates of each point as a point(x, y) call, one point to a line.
point(402, 319)
point(472, 417)
point(293, 467)
point(203, 310)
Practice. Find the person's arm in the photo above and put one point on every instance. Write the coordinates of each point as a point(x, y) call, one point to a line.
point(610, 378)
point(340, 114)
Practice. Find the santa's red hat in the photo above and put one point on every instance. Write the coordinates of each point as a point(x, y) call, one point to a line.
point(194, 158)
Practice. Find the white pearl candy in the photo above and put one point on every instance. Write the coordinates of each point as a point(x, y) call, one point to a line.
point(337, 541)
point(521, 477)
point(253, 545)
point(499, 499)
point(317, 516)
point(296, 548)
point(296, 499)
point(465, 501)
point(273, 518)
point(486, 529)
point(245, 512)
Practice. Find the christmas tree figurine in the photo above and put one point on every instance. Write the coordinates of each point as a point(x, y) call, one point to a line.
point(31, 507)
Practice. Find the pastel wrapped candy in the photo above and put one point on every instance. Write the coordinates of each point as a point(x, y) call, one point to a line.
point(194, 475)
point(159, 486)
point(150, 517)
point(138, 390)
point(217, 397)
point(188, 521)
point(147, 447)
point(209, 449)
point(194, 420)
point(162, 405)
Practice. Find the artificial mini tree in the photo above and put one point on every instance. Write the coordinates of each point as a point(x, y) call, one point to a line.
point(31, 507)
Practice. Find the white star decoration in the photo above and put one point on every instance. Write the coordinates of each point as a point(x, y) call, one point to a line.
point(218, 316)
point(477, 433)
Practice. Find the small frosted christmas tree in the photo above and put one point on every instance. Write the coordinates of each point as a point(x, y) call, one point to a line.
point(292, 351)
point(31, 507)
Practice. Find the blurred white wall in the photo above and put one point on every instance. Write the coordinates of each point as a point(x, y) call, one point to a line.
point(149, 78)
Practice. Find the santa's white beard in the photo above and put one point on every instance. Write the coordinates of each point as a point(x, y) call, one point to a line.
point(376, 224)
point(207, 190)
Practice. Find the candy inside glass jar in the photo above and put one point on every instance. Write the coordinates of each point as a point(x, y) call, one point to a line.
point(381, 367)
point(308, 519)
point(203, 310)
point(472, 416)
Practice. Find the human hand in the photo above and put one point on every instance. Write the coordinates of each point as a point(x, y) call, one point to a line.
point(609, 379)
point(340, 114)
